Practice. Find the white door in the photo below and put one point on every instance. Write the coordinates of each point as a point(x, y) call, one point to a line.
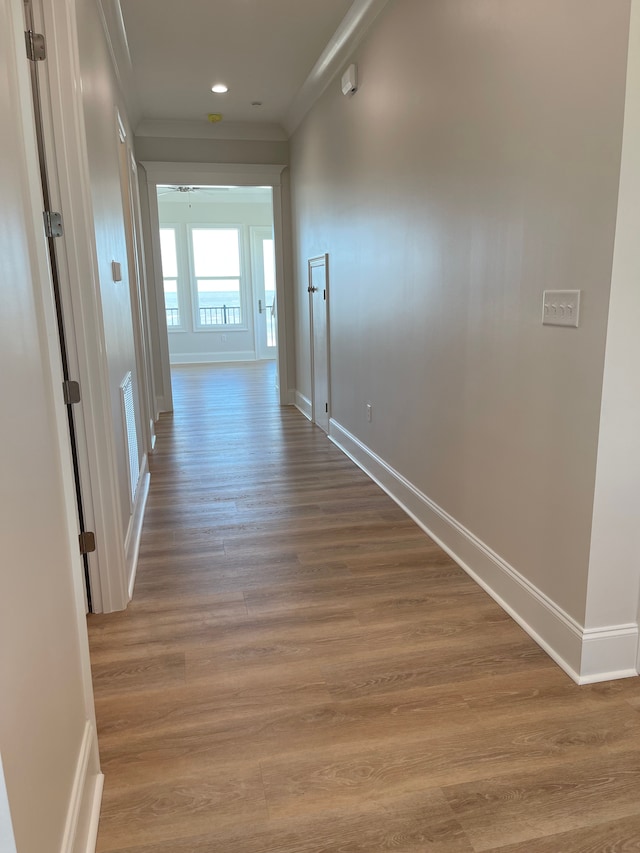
point(319, 313)
point(263, 268)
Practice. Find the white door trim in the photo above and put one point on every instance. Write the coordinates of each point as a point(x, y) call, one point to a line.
point(319, 417)
point(257, 235)
point(216, 174)
point(48, 347)
point(108, 572)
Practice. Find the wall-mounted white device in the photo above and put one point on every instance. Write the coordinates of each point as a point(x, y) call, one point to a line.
point(350, 80)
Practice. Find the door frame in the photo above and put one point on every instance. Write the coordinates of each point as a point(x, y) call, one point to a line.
point(257, 235)
point(67, 152)
point(315, 263)
point(83, 805)
point(218, 174)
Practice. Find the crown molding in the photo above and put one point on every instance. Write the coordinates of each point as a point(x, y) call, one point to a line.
point(346, 38)
point(174, 129)
point(110, 13)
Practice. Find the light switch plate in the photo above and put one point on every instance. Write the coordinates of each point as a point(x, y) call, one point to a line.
point(116, 271)
point(561, 308)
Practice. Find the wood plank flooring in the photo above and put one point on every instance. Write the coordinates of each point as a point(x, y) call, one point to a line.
point(302, 670)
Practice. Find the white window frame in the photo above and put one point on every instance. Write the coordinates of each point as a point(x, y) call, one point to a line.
point(181, 290)
point(243, 278)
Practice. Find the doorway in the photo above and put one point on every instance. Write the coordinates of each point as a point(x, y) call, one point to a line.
point(216, 176)
point(56, 248)
point(218, 272)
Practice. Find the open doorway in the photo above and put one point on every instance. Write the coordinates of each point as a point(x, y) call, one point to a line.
point(255, 328)
point(218, 271)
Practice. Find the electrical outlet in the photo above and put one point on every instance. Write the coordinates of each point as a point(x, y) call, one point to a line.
point(369, 412)
point(561, 308)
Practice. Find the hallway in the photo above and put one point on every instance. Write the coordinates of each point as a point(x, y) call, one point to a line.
point(303, 671)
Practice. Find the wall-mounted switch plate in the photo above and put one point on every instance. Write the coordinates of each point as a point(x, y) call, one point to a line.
point(116, 271)
point(561, 308)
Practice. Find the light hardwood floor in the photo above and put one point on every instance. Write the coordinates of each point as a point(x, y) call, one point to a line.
point(303, 671)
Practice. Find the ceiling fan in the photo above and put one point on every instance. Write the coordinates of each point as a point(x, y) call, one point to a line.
point(192, 191)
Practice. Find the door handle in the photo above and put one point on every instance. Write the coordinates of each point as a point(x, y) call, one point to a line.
point(259, 306)
point(312, 289)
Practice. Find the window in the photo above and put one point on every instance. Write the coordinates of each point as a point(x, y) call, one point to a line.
point(217, 269)
point(169, 256)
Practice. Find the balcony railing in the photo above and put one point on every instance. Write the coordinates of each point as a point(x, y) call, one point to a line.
point(173, 317)
point(225, 316)
point(220, 316)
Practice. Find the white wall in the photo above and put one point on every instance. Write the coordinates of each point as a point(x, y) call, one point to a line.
point(47, 727)
point(477, 166)
point(202, 345)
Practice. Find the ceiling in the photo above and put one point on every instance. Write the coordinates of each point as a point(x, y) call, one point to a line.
point(264, 50)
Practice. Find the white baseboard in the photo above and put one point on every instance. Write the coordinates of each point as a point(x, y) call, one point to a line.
point(81, 827)
point(163, 406)
point(132, 540)
point(587, 655)
point(210, 357)
point(303, 404)
point(609, 653)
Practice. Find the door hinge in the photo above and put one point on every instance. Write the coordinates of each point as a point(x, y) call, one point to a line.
point(87, 542)
point(53, 224)
point(36, 46)
point(324, 295)
point(71, 392)
point(326, 407)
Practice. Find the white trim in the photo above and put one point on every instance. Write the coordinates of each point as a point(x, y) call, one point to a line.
point(178, 129)
point(184, 233)
point(613, 591)
point(604, 649)
point(346, 38)
point(7, 839)
point(95, 802)
point(238, 174)
point(585, 655)
point(155, 282)
point(129, 430)
point(213, 174)
point(212, 357)
point(139, 316)
point(316, 262)
point(115, 35)
point(134, 533)
point(72, 169)
point(258, 234)
point(85, 799)
point(303, 404)
point(284, 324)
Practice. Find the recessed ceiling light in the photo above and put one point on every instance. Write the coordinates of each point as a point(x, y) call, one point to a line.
point(219, 88)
